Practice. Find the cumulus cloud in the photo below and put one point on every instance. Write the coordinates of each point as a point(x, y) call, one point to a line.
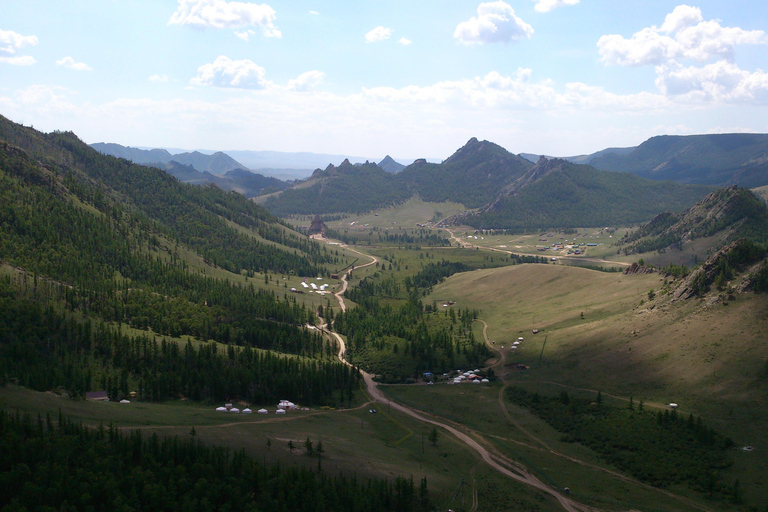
point(11, 41)
point(686, 36)
point(69, 63)
point(722, 82)
point(378, 34)
point(306, 81)
point(223, 14)
point(24, 60)
point(315, 13)
point(516, 92)
point(224, 72)
point(496, 22)
point(548, 5)
point(683, 35)
point(404, 41)
point(158, 78)
point(245, 35)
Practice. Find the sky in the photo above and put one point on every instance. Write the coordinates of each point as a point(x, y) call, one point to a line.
point(412, 79)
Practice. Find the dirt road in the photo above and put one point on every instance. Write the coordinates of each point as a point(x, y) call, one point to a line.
point(498, 462)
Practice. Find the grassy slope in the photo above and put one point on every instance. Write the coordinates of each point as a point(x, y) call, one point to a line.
point(710, 360)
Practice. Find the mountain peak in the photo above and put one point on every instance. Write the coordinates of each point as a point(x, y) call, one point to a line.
point(474, 147)
point(390, 165)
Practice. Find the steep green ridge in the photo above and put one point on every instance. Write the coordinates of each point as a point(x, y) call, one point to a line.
point(241, 181)
point(557, 193)
point(726, 214)
point(192, 215)
point(724, 159)
point(511, 192)
point(472, 176)
point(346, 188)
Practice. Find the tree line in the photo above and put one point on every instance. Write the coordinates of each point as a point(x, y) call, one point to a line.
point(48, 464)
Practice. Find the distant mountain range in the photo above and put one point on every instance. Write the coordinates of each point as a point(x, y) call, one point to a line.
point(502, 189)
point(278, 164)
point(216, 163)
point(722, 159)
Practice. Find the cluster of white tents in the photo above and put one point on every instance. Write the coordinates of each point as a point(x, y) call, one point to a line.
point(234, 409)
point(283, 406)
point(516, 344)
point(322, 289)
point(469, 376)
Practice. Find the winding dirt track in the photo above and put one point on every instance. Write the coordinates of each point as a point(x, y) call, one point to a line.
point(500, 463)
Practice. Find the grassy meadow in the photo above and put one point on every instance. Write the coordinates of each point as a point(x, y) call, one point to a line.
point(709, 357)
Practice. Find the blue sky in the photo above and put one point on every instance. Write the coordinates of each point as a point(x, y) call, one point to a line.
point(374, 77)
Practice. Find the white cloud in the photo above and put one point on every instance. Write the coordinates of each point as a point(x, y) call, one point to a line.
point(404, 41)
point(306, 81)
point(245, 35)
point(44, 101)
point(224, 72)
point(684, 34)
point(24, 60)
point(548, 5)
point(158, 78)
point(378, 34)
point(517, 92)
point(720, 82)
point(11, 41)
point(223, 14)
point(69, 63)
point(315, 13)
point(496, 22)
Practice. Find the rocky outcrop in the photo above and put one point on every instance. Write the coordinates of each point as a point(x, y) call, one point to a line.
point(317, 226)
point(638, 269)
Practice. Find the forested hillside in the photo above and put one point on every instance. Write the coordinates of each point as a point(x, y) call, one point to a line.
point(472, 176)
point(346, 188)
point(57, 464)
point(90, 243)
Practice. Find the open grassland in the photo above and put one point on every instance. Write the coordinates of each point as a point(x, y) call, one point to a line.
point(542, 243)
point(381, 444)
point(406, 215)
point(710, 359)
